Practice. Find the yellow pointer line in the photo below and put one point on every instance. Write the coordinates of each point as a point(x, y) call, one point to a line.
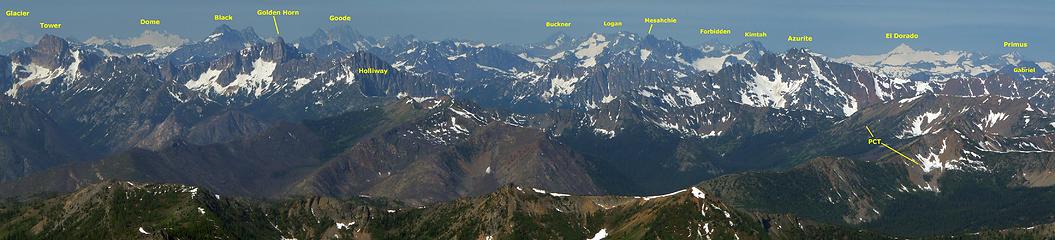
point(276, 25)
point(650, 28)
point(870, 132)
point(902, 154)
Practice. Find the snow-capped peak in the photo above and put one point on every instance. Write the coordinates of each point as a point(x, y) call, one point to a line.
point(902, 49)
point(588, 51)
point(1011, 58)
point(904, 61)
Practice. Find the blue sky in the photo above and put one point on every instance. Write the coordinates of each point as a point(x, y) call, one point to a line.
point(839, 27)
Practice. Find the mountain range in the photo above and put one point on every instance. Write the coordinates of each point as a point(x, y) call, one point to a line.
point(469, 134)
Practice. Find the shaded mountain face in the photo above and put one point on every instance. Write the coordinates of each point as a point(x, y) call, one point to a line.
point(449, 156)
point(90, 95)
point(420, 151)
point(31, 141)
point(635, 140)
point(445, 150)
point(427, 150)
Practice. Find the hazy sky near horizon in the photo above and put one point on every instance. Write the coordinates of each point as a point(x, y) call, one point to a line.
point(839, 27)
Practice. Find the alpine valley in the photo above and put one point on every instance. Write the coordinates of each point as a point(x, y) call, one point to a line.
point(609, 135)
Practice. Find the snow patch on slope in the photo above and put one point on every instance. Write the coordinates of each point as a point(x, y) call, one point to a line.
point(258, 81)
point(766, 92)
point(920, 125)
point(600, 235)
point(561, 86)
point(644, 54)
point(589, 50)
point(715, 64)
point(40, 75)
